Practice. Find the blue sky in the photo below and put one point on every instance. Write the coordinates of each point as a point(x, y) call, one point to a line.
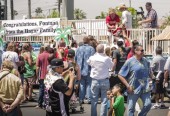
point(91, 7)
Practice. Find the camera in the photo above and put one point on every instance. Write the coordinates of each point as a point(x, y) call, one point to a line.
point(141, 12)
point(71, 69)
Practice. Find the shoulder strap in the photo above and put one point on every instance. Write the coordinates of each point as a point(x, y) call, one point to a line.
point(3, 74)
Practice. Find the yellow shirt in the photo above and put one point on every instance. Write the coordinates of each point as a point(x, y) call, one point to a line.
point(10, 88)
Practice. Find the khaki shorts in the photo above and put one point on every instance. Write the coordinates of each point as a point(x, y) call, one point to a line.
point(29, 81)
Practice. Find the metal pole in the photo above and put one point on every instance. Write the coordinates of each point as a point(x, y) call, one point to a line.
point(49, 13)
point(5, 12)
point(59, 7)
point(129, 3)
point(64, 10)
point(12, 9)
point(29, 9)
point(70, 9)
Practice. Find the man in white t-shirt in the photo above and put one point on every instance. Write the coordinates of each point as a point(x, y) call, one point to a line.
point(100, 65)
point(10, 55)
point(126, 17)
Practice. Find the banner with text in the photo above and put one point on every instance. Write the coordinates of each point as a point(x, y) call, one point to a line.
point(31, 27)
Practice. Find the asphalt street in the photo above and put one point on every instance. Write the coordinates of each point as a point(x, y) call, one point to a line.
point(28, 109)
point(31, 111)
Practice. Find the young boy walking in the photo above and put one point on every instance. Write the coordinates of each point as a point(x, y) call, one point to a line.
point(117, 101)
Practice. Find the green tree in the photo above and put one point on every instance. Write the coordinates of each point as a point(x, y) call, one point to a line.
point(135, 19)
point(102, 15)
point(166, 22)
point(132, 10)
point(79, 14)
point(38, 11)
point(54, 14)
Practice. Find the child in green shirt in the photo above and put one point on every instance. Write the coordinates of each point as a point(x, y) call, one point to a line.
point(117, 101)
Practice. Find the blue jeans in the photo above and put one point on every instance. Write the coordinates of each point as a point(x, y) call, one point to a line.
point(41, 92)
point(132, 99)
point(14, 112)
point(99, 87)
point(85, 84)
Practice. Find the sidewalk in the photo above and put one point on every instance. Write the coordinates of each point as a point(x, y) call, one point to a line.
point(32, 104)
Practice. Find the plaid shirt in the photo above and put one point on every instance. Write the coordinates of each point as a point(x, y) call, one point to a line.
point(153, 15)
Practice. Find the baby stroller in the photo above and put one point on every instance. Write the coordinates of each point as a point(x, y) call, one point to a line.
point(74, 101)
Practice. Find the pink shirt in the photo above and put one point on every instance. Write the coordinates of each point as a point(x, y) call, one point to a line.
point(42, 63)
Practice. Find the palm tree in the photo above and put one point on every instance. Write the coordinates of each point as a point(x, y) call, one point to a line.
point(79, 14)
point(38, 11)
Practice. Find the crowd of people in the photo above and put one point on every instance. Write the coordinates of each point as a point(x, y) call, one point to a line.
point(100, 72)
point(87, 70)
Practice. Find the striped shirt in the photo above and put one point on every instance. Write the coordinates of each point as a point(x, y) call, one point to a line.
point(152, 15)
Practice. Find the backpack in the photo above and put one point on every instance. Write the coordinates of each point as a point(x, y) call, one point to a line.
point(48, 82)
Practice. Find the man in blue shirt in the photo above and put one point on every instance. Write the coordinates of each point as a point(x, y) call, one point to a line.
point(135, 75)
point(82, 55)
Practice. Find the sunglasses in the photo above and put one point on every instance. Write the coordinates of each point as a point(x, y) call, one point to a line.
point(58, 66)
point(141, 50)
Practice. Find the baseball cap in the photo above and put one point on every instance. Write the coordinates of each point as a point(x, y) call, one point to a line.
point(71, 53)
point(121, 39)
point(56, 63)
point(120, 42)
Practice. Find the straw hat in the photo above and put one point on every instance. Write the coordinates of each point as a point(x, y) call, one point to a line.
point(122, 6)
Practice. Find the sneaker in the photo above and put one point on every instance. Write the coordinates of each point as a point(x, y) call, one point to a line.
point(155, 106)
point(162, 106)
point(38, 107)
point(81, 102)
point(89, 102)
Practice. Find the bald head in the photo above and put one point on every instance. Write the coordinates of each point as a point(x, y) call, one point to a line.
point(100, 48)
